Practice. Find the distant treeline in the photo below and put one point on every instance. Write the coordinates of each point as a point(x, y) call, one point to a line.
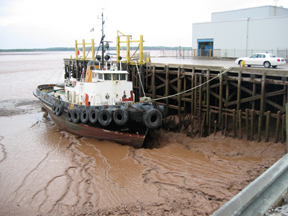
point(87, 48)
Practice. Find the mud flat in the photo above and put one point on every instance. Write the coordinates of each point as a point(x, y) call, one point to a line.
point(44, 170)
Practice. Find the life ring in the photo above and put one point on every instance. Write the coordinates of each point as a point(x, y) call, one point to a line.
point(104, 117)
point(59, 110)
point(76, 116)
point(54, 106)
point(152, 118)
point(84, 117)
point(93, 116)
point(120, 116)
point(69, 115)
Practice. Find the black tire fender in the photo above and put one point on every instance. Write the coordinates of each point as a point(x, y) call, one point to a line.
point(69, 115)
point(105, 117)
point(152, 118)
point(54, 106)
point(93, 116)
point(84, 117)
point(76, 116)
point(120, 116)
point(59, 110)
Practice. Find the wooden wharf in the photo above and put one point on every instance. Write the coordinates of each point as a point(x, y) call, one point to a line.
point(242, 102)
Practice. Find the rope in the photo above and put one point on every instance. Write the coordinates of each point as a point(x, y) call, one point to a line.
point(54, 71)
point(131, 56)
point(193, 87)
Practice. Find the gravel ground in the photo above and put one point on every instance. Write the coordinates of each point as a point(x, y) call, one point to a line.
point(280, 210)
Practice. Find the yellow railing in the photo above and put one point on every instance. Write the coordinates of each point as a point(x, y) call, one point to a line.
point(128, 41)
point(84, 51)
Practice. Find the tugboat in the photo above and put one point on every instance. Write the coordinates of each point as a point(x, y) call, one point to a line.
point(101, 105)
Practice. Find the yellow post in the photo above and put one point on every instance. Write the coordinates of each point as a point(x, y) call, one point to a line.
point(76, 50)
point(118, 48)
point(128, 49)
point(93, 50)
point(209, 52)
point(141, 50)
point(84, 53)
point(242, 63)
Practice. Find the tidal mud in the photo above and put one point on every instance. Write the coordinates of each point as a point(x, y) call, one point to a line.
point(47, 171)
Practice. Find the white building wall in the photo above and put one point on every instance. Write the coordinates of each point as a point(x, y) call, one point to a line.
point(252, 13)
point(268, 33)
point(242, 37)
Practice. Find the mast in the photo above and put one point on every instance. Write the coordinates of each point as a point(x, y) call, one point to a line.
point(102, 41)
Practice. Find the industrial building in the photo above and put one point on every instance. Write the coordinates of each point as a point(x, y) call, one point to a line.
point(243, 32)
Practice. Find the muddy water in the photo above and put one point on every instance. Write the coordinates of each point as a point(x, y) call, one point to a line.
point(44, 170)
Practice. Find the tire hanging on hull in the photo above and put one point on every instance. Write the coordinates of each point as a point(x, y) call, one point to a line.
point(76, 116)
point(59, 110)
point(120, 116)
point(93, 116)
point(69, 115)
point(152, 118)
point(105, 117)
point(84, 116)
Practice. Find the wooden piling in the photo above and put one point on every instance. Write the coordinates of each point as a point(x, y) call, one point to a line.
point(262, 100)
point(240, 124)
point(222, 124)
point(220, 96)
point(200, 95)
point(226, 125)
point(277, 126)
point(267, 126)
point(192, 91)
point(208, 97)
point(283, 128)
point(209, 121)
point(192, 125)
point(252, 125)
point(259, 128)
point(234, 123)
point(179, 89)
point(167, 90)
point(247, 124)
point(215, 128)
point(153, 84)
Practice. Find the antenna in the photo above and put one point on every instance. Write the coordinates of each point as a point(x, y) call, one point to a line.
point(275, 7)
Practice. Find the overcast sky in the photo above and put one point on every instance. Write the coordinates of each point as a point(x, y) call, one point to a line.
point(58, 23)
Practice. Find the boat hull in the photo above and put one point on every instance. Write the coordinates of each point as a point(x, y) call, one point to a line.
point(135, 140)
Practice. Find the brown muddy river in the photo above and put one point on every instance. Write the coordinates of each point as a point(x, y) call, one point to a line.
point(47, 171)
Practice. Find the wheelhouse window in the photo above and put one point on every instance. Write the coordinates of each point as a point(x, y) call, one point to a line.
point(115, 76)
point(100, 76)
point(107, 76)
point(122, 76)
